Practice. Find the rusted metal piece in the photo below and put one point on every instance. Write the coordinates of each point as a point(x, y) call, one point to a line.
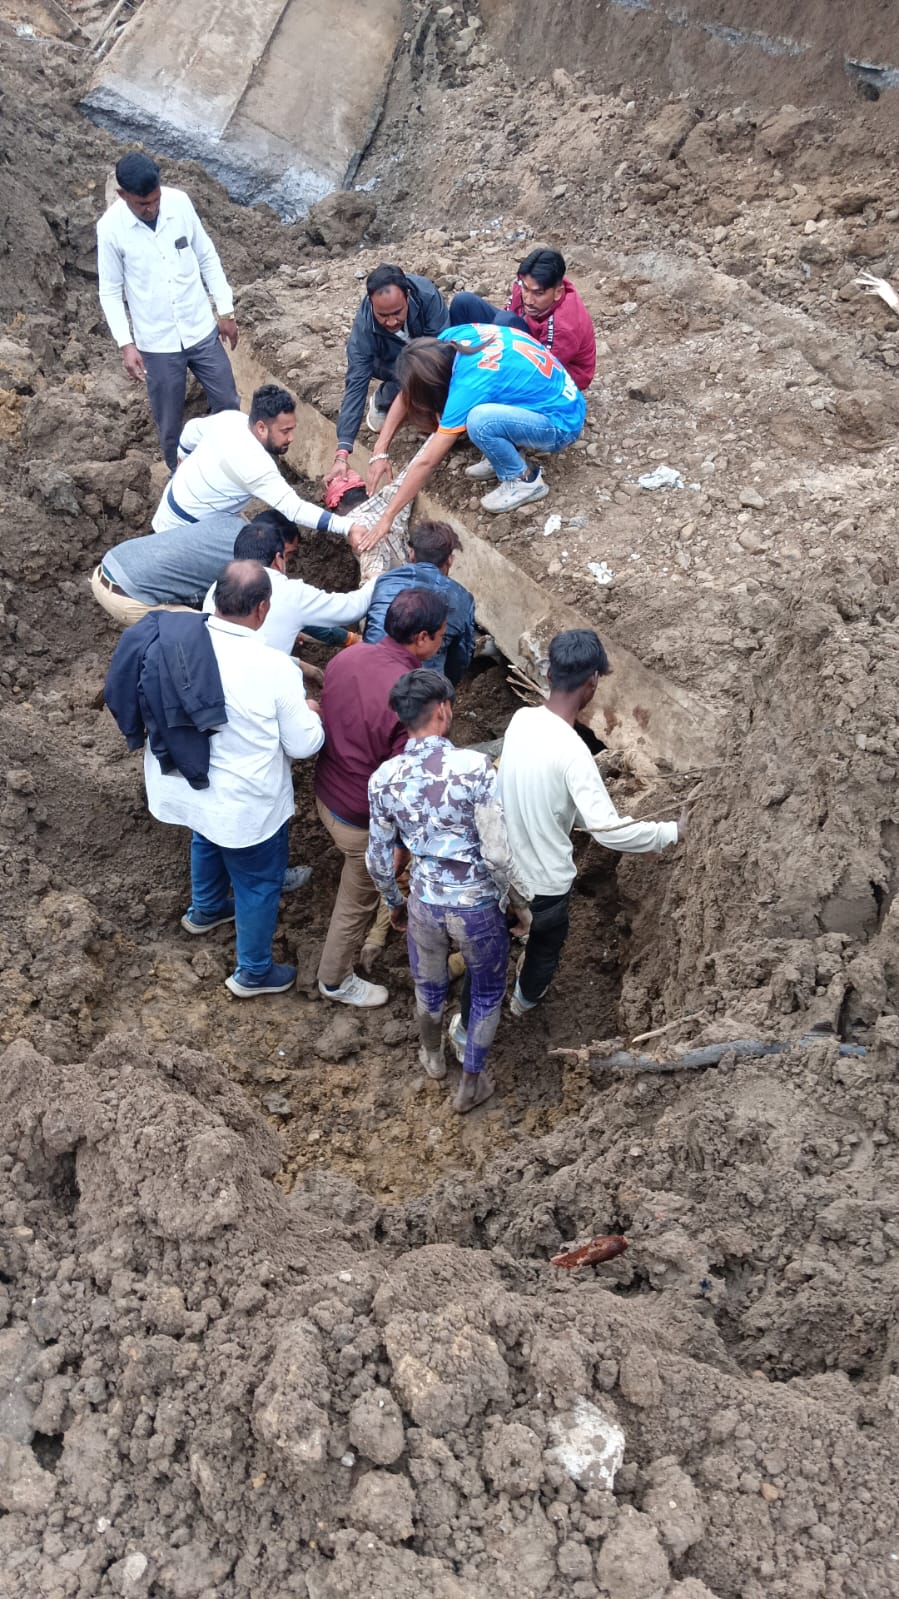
point(604, 1247)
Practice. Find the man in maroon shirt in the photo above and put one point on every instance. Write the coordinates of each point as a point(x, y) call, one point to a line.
point(361, 731)
point(546, 304)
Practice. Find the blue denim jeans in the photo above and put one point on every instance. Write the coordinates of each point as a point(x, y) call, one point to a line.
point(466, 307)
point(256, 876)
point(497, 430)
point(481, 935)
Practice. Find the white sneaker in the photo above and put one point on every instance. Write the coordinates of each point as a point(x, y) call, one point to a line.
point(518, 1005)
point(433, 1062)
point(376, 417)
point(355, 990)
point(481, 471)
point(458, 1036)
point(515, 491)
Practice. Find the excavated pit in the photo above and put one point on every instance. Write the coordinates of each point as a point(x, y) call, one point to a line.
point(272, 1320)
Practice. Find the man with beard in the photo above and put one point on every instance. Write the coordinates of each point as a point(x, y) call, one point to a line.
point(229, 459)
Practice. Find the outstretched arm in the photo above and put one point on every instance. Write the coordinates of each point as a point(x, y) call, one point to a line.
point(417, 473)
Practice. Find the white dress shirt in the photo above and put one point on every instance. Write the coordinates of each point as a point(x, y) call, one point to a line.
point(547, 780)
point(161, 274)
point(269, 724)
point(296, 605)
point(223, 467)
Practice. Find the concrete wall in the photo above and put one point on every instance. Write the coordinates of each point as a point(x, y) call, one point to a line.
point(275, 98)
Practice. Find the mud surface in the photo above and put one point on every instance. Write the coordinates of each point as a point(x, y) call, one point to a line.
point(272, 1320)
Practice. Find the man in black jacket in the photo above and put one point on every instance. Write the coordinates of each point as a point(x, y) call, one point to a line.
point(397, 307)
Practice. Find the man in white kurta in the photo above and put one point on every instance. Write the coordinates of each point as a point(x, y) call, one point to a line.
point(238, 853)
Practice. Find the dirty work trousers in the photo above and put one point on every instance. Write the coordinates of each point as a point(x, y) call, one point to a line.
point(256, 877)
point(356, 902)
point(546, 940)
point(479, 932)
point(167, 381)
point(121, 607)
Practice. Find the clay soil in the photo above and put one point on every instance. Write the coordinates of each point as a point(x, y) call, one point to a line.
point(272, 1320)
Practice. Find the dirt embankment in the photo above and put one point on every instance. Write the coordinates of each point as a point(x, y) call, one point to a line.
point(271, 1320)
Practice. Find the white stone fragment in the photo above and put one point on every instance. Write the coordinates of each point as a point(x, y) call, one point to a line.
point(589, 1445)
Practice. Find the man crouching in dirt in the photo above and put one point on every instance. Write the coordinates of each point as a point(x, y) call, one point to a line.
point(440, 803)
point(547, 781)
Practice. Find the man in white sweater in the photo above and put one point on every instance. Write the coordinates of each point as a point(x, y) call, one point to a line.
point(228, 459)
point(548, 780)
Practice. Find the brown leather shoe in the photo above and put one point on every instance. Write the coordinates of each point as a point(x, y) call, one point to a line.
point(474, 1088)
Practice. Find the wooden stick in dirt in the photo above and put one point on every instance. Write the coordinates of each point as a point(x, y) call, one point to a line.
point(641, 1038)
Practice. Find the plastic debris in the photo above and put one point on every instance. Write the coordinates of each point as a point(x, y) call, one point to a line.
point(601, 572)
point(664, 477)
point(553, 524)
point(589, 1445)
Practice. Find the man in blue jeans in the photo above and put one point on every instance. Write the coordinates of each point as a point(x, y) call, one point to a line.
point(238, 853)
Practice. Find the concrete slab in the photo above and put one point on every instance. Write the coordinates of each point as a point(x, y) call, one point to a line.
point(275, 99)
point(637, 711)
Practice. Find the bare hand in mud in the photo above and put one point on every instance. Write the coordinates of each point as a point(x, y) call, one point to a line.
point(399, 918)
point(683, 825)
point(313, 676)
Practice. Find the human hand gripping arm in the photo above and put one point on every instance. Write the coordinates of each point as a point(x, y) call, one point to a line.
point(600, 817)
point(379, 469)
point(417, 473)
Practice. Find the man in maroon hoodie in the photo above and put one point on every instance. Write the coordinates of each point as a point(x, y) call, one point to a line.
point(546, 304)
point(361, 731)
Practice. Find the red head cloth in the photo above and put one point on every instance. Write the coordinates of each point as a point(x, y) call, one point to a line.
point(335, 491)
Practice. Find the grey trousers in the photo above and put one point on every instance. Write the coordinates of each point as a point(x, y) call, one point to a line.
point(167, 382)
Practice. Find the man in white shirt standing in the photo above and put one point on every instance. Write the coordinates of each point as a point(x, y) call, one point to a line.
point(238, 852)
point(229, 459)
point(548, 780)
point(154, 253)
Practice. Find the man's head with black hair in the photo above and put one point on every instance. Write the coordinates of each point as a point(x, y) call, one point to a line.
point(417, 696)
point(435, 542)
point(388, 288)
point(243, 593)
point(261, 543)
point(268, 535)
point(138, 181)
point(416, 618)
point(541, 279)
point(577, 661)
point(273, 418)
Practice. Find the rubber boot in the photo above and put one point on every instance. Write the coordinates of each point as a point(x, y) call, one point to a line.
point(474, 1088)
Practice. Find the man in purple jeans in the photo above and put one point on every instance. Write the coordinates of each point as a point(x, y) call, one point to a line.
point(440, 804)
